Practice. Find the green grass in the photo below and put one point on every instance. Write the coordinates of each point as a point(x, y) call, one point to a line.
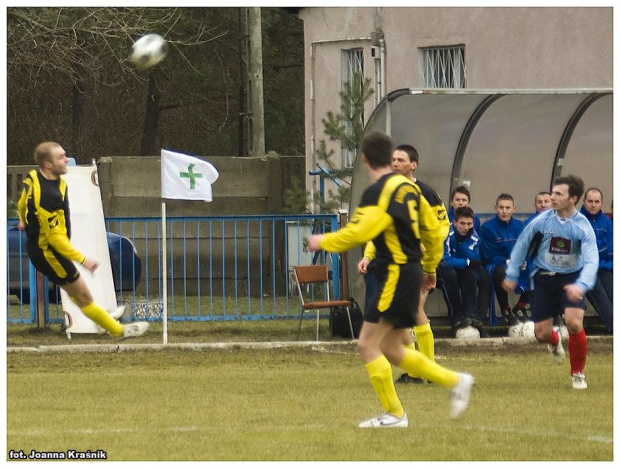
point(303, 404)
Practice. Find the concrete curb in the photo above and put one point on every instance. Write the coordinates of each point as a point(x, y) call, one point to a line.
point(114, 348)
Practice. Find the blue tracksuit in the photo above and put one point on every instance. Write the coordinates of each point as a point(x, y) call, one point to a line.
point(567, 246)
point(498, 239)
point(604, 231)
point(458, 249)
point(473, 284)
point(601, 296)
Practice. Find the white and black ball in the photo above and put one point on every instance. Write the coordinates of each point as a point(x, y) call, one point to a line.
point(148, 51)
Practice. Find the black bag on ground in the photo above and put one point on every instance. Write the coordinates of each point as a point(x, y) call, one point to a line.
point(339, 322)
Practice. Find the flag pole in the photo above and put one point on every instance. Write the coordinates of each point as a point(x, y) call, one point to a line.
point(164, 268)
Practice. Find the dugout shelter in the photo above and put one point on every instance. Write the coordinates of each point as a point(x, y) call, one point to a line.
point(495, 141)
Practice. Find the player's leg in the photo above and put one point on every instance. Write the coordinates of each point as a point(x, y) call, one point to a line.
point(424, 337)
point(380, 373)
point(577, 345)
point(422, 329)
point(416, 364)
point(545, 306)
point(79, 293)
point(63, 272)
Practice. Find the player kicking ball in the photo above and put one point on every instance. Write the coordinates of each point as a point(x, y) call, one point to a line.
point(395, 215)
point(44, 214)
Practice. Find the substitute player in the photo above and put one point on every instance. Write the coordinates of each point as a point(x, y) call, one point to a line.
point(44, 214)
point(397, 218)
point(566, 261)
point(405, 161)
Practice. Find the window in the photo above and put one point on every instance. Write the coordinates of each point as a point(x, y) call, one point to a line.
point(352, 65)
point(444, 67)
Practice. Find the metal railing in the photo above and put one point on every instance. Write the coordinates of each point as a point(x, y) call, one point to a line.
point(219, 268)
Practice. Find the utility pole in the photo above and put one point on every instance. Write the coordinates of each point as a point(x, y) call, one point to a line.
point(241, 116)
point(255, 101)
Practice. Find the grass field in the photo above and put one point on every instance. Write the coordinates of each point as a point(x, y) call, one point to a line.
point(302, 404)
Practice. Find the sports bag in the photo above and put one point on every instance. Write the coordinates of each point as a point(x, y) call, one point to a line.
point(339, 322)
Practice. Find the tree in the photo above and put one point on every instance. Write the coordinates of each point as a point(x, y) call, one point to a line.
point(347, 128)
point(69, 79)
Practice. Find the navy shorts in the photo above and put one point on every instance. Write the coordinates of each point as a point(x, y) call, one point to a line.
point(549, 299)
point(397, 296)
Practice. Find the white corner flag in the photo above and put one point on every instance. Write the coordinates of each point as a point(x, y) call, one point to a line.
point(185, 177)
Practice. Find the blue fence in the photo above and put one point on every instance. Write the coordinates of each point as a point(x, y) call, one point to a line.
point(219, 268)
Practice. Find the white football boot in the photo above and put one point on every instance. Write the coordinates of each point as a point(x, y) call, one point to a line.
point(131, 330)
point(386, 420)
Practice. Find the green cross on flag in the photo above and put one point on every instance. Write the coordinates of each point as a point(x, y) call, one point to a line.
point(185, 177)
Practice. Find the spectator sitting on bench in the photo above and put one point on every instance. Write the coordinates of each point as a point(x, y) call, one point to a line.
point(447, 280)
point(461, 196)
point(499, 235)
point(602, 295)
point(542, 202)
point(462, 254)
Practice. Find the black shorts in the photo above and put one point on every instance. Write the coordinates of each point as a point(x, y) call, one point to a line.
point(397, 296)
point(548, 299)
point(50, 263)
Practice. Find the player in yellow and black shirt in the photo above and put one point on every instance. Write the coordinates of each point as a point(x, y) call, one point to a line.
point(398, 220)
point(44, 213)
point(405, 160)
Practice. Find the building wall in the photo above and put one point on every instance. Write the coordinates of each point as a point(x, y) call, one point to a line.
point(505, 48)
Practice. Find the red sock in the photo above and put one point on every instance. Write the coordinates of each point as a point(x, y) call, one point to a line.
point(578, 350)
point(554, 338)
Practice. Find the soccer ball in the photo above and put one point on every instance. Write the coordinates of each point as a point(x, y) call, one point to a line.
point(527, 331)
point(468, 333)
point(515, 331)
point(148, 51)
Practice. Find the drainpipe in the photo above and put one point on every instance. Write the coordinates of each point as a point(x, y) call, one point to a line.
point(382, 67)
point(313, 102)
point(378, 53)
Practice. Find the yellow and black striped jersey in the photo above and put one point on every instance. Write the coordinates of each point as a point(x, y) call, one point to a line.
point(397, 218)
point(439, 209)
point(44, 208)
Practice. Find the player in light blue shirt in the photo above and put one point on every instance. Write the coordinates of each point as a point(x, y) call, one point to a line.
point(565, 260)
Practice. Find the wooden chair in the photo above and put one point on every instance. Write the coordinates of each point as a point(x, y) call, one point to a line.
point(317, 274)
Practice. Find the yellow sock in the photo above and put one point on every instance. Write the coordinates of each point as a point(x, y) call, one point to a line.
point(380, 372)
point(99, 315)
point(426, 340)
point(418, 365)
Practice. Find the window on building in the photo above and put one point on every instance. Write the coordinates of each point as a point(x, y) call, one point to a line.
point(444, 67)
point(352, 66)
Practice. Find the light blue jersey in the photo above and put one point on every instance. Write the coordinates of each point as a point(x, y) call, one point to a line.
point(568, 245)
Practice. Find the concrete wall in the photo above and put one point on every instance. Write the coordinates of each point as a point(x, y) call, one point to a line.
point(131, 186)
point(505, 48)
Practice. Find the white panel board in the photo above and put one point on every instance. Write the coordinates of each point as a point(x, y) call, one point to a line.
point(88, 235)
